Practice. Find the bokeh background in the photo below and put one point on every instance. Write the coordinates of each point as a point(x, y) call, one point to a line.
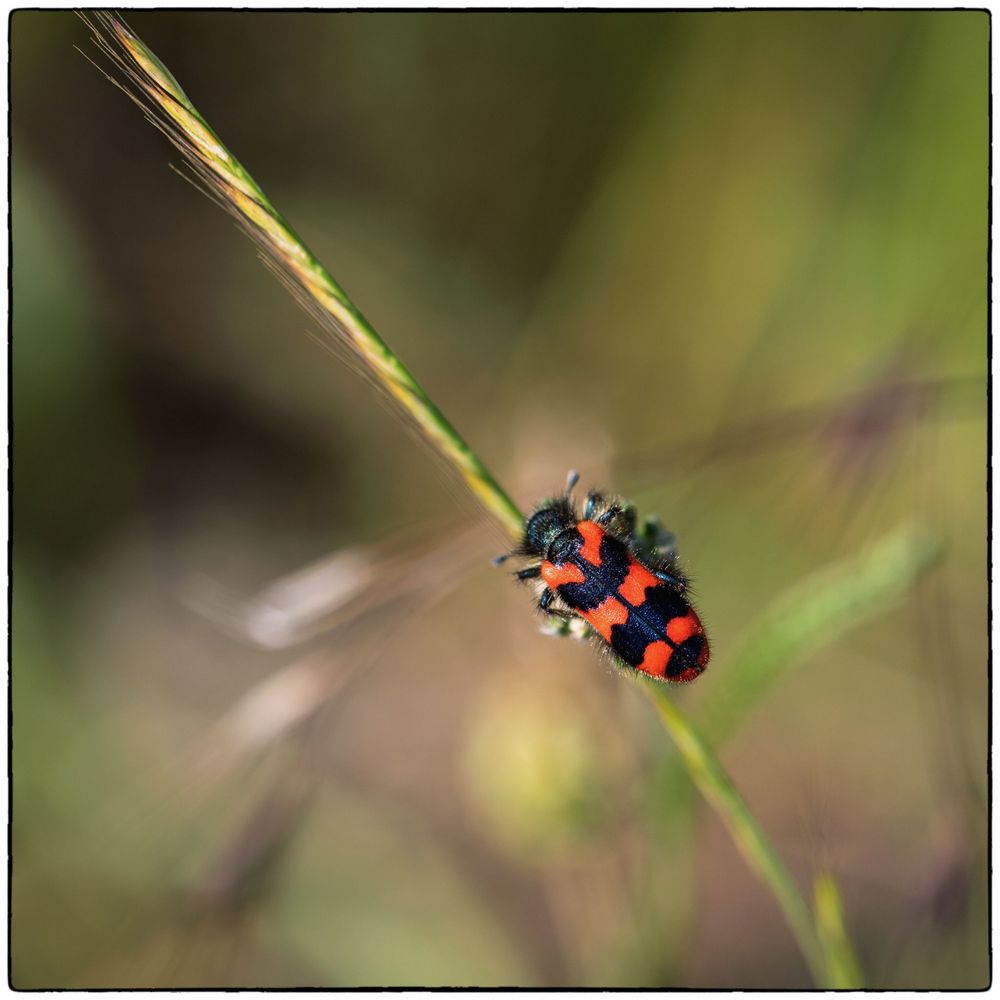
point(731, 265)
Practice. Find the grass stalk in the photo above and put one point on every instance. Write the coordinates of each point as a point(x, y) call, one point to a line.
point(842, 969)
point(148, 82)
point(717, 787)
point(817, 609)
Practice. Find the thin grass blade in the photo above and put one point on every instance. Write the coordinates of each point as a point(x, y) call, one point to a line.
point(842, 596)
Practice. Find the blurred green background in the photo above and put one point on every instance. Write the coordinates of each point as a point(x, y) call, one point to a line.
point(731, 265)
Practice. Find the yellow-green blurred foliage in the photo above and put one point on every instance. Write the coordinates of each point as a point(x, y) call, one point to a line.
point(731, 265)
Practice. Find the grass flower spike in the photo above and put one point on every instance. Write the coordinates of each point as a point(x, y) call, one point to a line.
point(156, 91)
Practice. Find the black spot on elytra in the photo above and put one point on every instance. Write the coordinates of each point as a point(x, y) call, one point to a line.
point(629, 640)
point(600, 582)
point(663, 603)
point(615, 562)
point(685, 656)
point(587, 595)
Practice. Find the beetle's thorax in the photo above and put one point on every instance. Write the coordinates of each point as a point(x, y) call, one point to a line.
point(563, 546)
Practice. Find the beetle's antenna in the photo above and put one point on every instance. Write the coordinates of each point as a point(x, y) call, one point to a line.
point(572, 478)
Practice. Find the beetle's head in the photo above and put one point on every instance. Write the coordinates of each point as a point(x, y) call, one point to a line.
point(546, 524)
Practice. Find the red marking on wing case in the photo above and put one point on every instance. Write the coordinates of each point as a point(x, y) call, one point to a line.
point(605, 616)
point(635, 585)
point(655, 659)
point(555, 575)
point(593, 535)
point(683, 627)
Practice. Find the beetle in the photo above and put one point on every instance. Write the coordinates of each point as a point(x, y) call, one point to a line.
point(622, 584)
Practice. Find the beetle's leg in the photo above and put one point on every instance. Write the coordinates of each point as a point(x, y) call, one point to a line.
point(594, 500)
point(625, 515)
point(545, 604)
point(607, 516)
point(675, 581)
point(558, 621)
point(558, 618)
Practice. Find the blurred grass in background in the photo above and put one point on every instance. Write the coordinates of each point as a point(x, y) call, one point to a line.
point(732, 265)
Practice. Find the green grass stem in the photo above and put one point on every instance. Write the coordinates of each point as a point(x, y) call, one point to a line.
point(849, 593)
point(842, 969)
point(715, 784)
